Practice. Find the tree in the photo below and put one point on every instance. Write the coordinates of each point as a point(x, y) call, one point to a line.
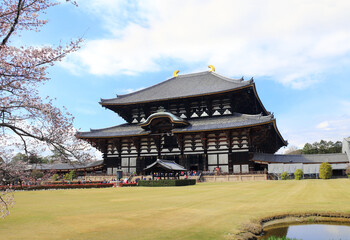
point(322, 147)
point(293, 150)
point(26, 119)
point(72, 174)
point(55, 177)
point(284, 176)
point(31, 159)
point(325, 171)
point(298, 174)
point(36, 174)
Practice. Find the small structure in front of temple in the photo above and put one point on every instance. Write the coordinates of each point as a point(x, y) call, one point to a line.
point(202, 121)
point(164, 169)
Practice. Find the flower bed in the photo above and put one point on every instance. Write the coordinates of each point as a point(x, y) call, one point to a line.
point(58, 186)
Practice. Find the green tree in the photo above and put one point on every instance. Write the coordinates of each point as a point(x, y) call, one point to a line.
point(67, 176)
point(72, 175)
point(298, 174)
point(325, 171)
point(55, 177)
point(19, 157)
point(284, 176)
point(36, 174)
point(31, 159)
point(322, 147)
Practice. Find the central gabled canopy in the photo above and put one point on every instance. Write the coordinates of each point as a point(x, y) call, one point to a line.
point(174, 120)
point(165, 165)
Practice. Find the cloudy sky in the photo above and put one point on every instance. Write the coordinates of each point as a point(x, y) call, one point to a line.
point(297, 51)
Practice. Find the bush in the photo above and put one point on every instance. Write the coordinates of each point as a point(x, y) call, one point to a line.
point(36, 174)
point(66, 176)
point(284, 176)
point(325, 171)
point(70, 176)
point(167, 182)
point(298, 174)
point(55, 177)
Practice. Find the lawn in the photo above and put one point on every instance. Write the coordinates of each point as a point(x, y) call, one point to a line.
point(202, 211)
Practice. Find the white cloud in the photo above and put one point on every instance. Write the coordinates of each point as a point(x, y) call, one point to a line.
point(293, 42)
point(323, 125)
point(130, 90)
point(332, 129)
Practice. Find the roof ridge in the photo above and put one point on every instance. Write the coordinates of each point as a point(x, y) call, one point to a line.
point(141, 90)
point(230, 80)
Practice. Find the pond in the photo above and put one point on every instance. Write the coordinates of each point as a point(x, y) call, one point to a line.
point(324, 231)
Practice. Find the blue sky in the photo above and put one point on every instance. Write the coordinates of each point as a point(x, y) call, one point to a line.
point(297, 51)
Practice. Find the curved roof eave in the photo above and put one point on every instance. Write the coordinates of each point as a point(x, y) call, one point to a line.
point(257, 97)
point(223, 84)
point(182, 97)
point(279, 134)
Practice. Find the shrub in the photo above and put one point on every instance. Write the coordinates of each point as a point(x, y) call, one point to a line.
point(298, 174)
point(66, 176)
point(72, 174)
point(36, 174)
point(325, 171)
point(55, 177)
point(167, 182)
point(284, 176)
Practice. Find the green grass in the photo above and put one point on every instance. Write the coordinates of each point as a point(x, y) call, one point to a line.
point(202, 211)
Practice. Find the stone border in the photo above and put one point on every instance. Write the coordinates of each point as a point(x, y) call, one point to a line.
point(254, 229)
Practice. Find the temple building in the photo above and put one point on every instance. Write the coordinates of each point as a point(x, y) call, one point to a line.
point(202, 121)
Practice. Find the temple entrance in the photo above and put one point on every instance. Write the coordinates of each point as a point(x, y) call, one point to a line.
point(195, 162)
point(194, 168)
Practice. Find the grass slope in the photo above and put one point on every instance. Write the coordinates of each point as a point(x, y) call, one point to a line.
point(202, 211)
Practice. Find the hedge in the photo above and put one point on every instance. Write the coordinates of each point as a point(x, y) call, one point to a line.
point(166, 182)
point(127, 184)
point(62, 186)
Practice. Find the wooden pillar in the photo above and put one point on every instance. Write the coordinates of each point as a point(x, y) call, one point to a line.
point(118, 145)
point(181, 144)
point(188, 109)
point(229, 145)
point(210, 107)
point(205, 148)
point(137, 143)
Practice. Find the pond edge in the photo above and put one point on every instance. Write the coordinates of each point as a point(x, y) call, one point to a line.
point(254, 229)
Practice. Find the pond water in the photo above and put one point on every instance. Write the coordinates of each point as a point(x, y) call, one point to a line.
point(310, 231)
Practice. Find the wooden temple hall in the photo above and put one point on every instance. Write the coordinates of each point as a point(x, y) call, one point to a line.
point(202, 121)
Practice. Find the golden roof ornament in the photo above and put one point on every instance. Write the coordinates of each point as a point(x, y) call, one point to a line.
point(212, 68)
point(175, 73)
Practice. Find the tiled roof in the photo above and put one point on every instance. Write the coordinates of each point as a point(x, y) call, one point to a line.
point(181, 86)
point(200, 124)
point(301, 158)
point(66, 166)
